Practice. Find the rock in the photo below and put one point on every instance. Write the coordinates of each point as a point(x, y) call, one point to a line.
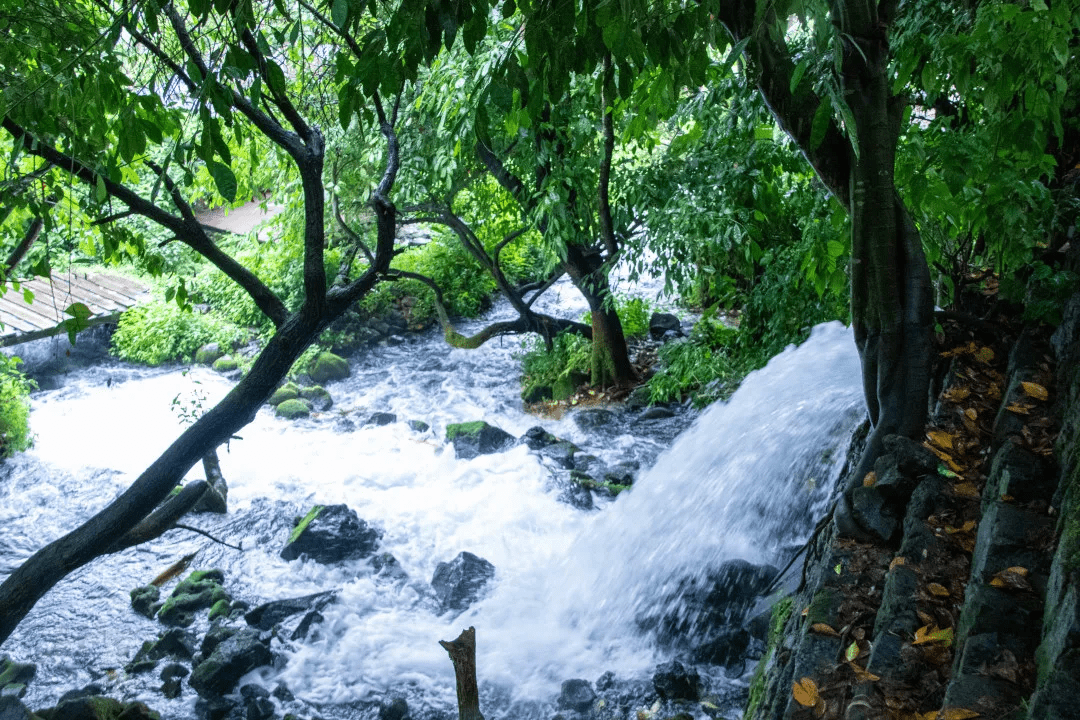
point(418, 426)
point(537, 438)
point(562, 453)
point(172, 676)
point(214, 708)
point(331, 534)
point(577, 496)
point(144, 599)
point(93, 707)
point(226, 364)
point(208, 353)
point(593, 418)
point(661, 323)
point(577, 695)
point(172, 688)
point(656, 412)
point(387, 568)
point(288, 391)
point(381, 418)
point(198, 591)
point(174, 670)
point(217, 634)
point(230, 660)
point(459, 582)
point(257, 702)
point(327, 366)
point(672, 681)
point(303, 629)
point(317, 395)
point(395, 709)
point(621, 473)
point(478, 438)
point(538, 393)
point(873, 514)
point(176, 643)
point(15, 676)
point(344, 425)
point(12, 709)
point(591, 465)
point(292, 409)
point(267, 615)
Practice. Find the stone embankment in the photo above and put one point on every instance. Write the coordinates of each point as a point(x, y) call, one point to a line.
point(967, 603)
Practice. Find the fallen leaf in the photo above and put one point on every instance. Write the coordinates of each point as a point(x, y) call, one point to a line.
point(1035, 390)
point(942, 439)
point(937, 589)
point(966, 490)
point(852, 651)
point(862, 675)
point(957, 394)
point(898, 560)
point(957, 714)
point(1013, 578)
point(805, 692)
point(819, 708)
point(870, 479)
point(925, 617)
point(984, 355)
point(1018, 409)
point(1007, 498)
point(971, 414)
point(926, 634)
point(823, 629)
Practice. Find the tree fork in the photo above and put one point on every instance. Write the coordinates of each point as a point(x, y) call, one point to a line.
point(463, 654)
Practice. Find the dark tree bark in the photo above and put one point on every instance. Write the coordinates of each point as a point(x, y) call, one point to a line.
point(462, 653)
point(891, 293)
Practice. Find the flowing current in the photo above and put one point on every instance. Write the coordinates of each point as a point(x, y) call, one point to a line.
point(746, 480)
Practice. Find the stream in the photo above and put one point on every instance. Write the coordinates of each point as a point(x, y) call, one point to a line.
point(745, 479)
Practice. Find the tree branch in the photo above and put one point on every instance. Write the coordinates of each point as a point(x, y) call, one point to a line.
point(607, 230)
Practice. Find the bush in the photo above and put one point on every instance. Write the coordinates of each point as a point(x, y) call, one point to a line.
point(158, 332)
point(703, 365)
point(570, 354)
point(14, 409)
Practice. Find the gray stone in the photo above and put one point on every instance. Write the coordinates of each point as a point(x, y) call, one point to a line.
point(395, 709)
point(577, 695)
point(661, 323)
point(537, 438)
point(331, 534)
point(459, 583)
point(381, 418)
point(577, 496)
point(872, 513)
point(478, 438)
point(267, 615)
point(232, 659)
point(594, 418)
point(656, 412)
point(673, 681)
point(418, 426)
point(144, 599)
point(562, 453)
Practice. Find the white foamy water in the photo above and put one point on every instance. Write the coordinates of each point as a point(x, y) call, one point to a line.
point(746, 481)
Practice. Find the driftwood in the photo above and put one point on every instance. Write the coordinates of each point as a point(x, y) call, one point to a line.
point(463, 655)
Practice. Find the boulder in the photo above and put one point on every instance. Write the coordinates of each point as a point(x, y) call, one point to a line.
point(562, 453)
point(387, 568)
point(331, 534)
point(326, 367)
point(418, 426)
point(577, 496)
point(225, 364)
point(672, 681)
point(144, 600)
point(230, 660)
point(536, 438)
point(318, 397)
point(267, 615)
point(175, 643)
point(381, 418)
point(198, 591)
point(12, 709)
point(97, 707)
point(208, 353)
point(458, 583)
point(257, 702)
point(662, 323)
point(594, 418)
point(577, 695)
point(394, 709)
point(15, 676)
point(478, 438)
point(288, 391)
point(217, 634)
point(292, 409)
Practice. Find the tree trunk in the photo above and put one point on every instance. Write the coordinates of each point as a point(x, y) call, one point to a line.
point(610, 363)
point(463, 654)
point(891, 294)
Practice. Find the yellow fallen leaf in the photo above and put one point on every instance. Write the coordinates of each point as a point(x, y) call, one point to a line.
point(968, 526)
point(1018, 409)
point(966, 490)
point(1016, 569)
point(938, 589)
point(823, 629)
point(1013, 578)
point(1007, 498)
point(957, 714)
point(925, 617)
point(971, 414)
point(994, 392)
point(898, 560)
point(870, 479)
point(957, 394)
point(862, 675)
point(926, 634)
point(942, 439)
point(1035, 390)
point(805, 692)
point(984, 355)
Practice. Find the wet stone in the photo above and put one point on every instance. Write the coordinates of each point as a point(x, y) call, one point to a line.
point(594, 418)
point(577, 496)
point(478, 438)
point(12, 709)
point(144, 599)
point(871, 512)
point(577, 695)
point(394, 709)
point(267, 615)
point(673, 681)
point(230, 660)
point(459, 583)
point(537, 437)
point(381, 418)
point(331, 534)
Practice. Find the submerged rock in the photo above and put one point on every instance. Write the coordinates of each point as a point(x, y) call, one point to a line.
point(331, 534)
point(673, 681)
point(326, 367)
point(267, 615)
point(200, 590)
point(381, 418)
point(478, 438)
point(458, 583)
point(594, 418)
point(577, 695)
point(144, 600)
point(230, 660)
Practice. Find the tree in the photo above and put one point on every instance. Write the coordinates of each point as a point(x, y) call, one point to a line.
point(103, 131)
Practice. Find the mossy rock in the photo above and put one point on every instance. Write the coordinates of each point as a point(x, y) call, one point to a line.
point(144, 600)
point(199, 591)
point(318, 396)
point(209, 353)
point(327, 366)
point(288, 391)
point(220, 609)
point(292, 409)
point(226, 364)
point(478, 438)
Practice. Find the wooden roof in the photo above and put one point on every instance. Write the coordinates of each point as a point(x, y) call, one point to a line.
point(107, 296)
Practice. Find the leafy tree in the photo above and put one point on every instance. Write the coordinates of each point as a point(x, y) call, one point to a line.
point(70, 101)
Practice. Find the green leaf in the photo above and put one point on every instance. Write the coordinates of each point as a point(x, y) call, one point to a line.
point(852, 652)
point(835, 249)
point(100, 193)
point(339, 12)
point(224, 179)
point(821, 123)
point(797, 75)
point(275, 77)
point(28, 295)
point(79, 320)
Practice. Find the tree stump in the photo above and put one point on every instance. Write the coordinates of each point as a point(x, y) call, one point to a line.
point(463, 654)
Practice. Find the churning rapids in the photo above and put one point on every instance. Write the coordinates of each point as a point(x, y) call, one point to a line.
point(746, 480)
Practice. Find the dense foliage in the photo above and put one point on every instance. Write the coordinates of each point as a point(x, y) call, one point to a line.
point(14, 408)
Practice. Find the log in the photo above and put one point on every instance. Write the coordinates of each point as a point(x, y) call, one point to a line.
point(463, 654)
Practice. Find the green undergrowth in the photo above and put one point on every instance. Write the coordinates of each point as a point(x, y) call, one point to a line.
point(780, 613)
point(157, 332)
point(14, 408)
point(569, 357)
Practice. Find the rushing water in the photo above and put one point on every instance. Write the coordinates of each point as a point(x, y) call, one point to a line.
point(745, 481)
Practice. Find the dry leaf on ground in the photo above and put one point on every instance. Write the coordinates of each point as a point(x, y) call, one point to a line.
point(805, 692)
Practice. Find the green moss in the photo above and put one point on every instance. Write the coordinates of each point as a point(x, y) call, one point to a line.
point(288, 391)
point(220, 609)
point(823, 607)
point(587, 482)
point(327, 366)
point(781, 611)
point(226, 364)
point(300, 526)
point(199, 590)
point(294, 408)
point(453, 430)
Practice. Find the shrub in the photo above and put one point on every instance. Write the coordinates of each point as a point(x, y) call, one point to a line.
point(158, 332)
point(702, 366)
point(14, 409)
point(569, 354)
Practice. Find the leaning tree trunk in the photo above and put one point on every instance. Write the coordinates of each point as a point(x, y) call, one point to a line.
point(891, 295)
point(610, 362)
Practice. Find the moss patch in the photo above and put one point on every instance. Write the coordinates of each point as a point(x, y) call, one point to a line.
point(302, 525)
point(288, 391)
point(291, 409)
point(226, 364)
point(470, 428)
point(781, 611)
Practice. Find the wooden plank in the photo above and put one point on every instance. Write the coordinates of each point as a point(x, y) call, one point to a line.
point(9, 340)
point(41, 314)
point(130, 289)
point(83, 289)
